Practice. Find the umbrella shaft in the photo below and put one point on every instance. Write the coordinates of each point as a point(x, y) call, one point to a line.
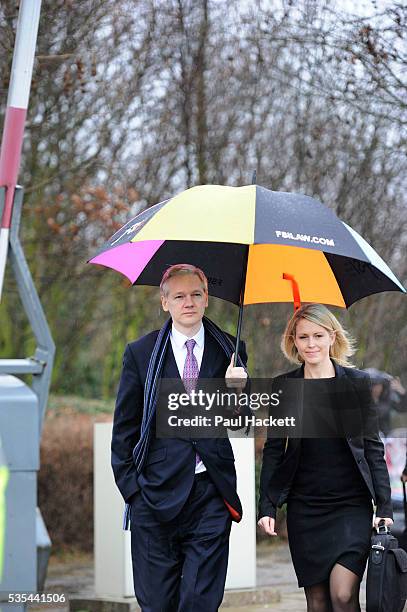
point(240, 318)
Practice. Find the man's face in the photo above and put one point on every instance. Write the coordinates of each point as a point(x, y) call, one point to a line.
point(185, 300)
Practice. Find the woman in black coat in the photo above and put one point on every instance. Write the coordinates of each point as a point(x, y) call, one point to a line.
point(328, 484)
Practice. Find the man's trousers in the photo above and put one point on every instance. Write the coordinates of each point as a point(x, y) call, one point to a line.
point(180, 566)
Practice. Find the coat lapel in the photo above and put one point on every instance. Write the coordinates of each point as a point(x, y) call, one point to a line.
point(211, 365)
point(294, 444)
point(299, 372)
point(212, 359)
point(170, 369)
point(339, 370)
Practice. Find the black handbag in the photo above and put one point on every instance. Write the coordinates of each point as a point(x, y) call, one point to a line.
point(386, 585)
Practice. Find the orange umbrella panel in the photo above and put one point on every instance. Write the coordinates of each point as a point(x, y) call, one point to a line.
point(267, 264)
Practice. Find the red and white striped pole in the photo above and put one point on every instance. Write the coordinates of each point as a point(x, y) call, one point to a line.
point(17, 103)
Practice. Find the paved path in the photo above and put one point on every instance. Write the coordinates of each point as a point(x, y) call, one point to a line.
point(274, 569)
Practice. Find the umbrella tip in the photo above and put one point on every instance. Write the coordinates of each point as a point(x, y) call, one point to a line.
point(254, 177)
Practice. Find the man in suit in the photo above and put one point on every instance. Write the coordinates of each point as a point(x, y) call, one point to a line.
point(182, 492)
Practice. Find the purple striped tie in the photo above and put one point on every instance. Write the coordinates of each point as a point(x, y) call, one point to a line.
point(191, 370)
point(190, 375)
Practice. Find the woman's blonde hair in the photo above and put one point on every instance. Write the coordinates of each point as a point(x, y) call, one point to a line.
point(343, 346)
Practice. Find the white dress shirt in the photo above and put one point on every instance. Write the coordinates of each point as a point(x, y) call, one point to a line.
point(180, 350)
point(180, 353)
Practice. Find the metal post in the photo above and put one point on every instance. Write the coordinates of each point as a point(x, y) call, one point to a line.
point(40, 367)
point(40, 364)
point(16, 111)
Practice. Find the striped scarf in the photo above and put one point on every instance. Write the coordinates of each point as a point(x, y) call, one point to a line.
point(152, 385)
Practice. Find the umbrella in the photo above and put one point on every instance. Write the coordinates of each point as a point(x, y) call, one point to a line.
point(254, 245)
point(378, 377)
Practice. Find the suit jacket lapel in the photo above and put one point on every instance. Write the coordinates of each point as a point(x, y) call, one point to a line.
point(212, 358)
point(170, 369)
point(339, 371)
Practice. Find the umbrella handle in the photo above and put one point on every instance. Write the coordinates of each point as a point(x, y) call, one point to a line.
point(295, 290)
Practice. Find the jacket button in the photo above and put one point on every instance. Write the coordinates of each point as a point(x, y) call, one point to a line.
point(359, 460)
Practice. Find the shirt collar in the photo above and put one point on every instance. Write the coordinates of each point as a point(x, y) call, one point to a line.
point(180, 339)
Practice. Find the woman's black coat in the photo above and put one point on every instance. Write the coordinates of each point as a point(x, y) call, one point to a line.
point(281, 456)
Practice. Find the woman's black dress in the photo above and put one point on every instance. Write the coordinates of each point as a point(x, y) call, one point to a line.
point(329, 511)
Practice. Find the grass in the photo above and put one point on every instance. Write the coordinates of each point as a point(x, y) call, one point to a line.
point(69, 404)
point(67, 555)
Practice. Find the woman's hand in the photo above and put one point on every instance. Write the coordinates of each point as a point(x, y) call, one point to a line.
point(387, 521)
point(267, 524)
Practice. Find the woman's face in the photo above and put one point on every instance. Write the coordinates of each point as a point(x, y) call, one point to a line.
point(313, 342)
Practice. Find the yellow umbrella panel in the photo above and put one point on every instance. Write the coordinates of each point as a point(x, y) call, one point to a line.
point(207, 213)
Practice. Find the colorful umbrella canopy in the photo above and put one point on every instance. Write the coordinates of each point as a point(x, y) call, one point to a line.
point(250, 241)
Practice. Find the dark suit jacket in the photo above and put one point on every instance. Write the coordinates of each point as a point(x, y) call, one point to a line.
point(281, 456)
point(168, 473)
